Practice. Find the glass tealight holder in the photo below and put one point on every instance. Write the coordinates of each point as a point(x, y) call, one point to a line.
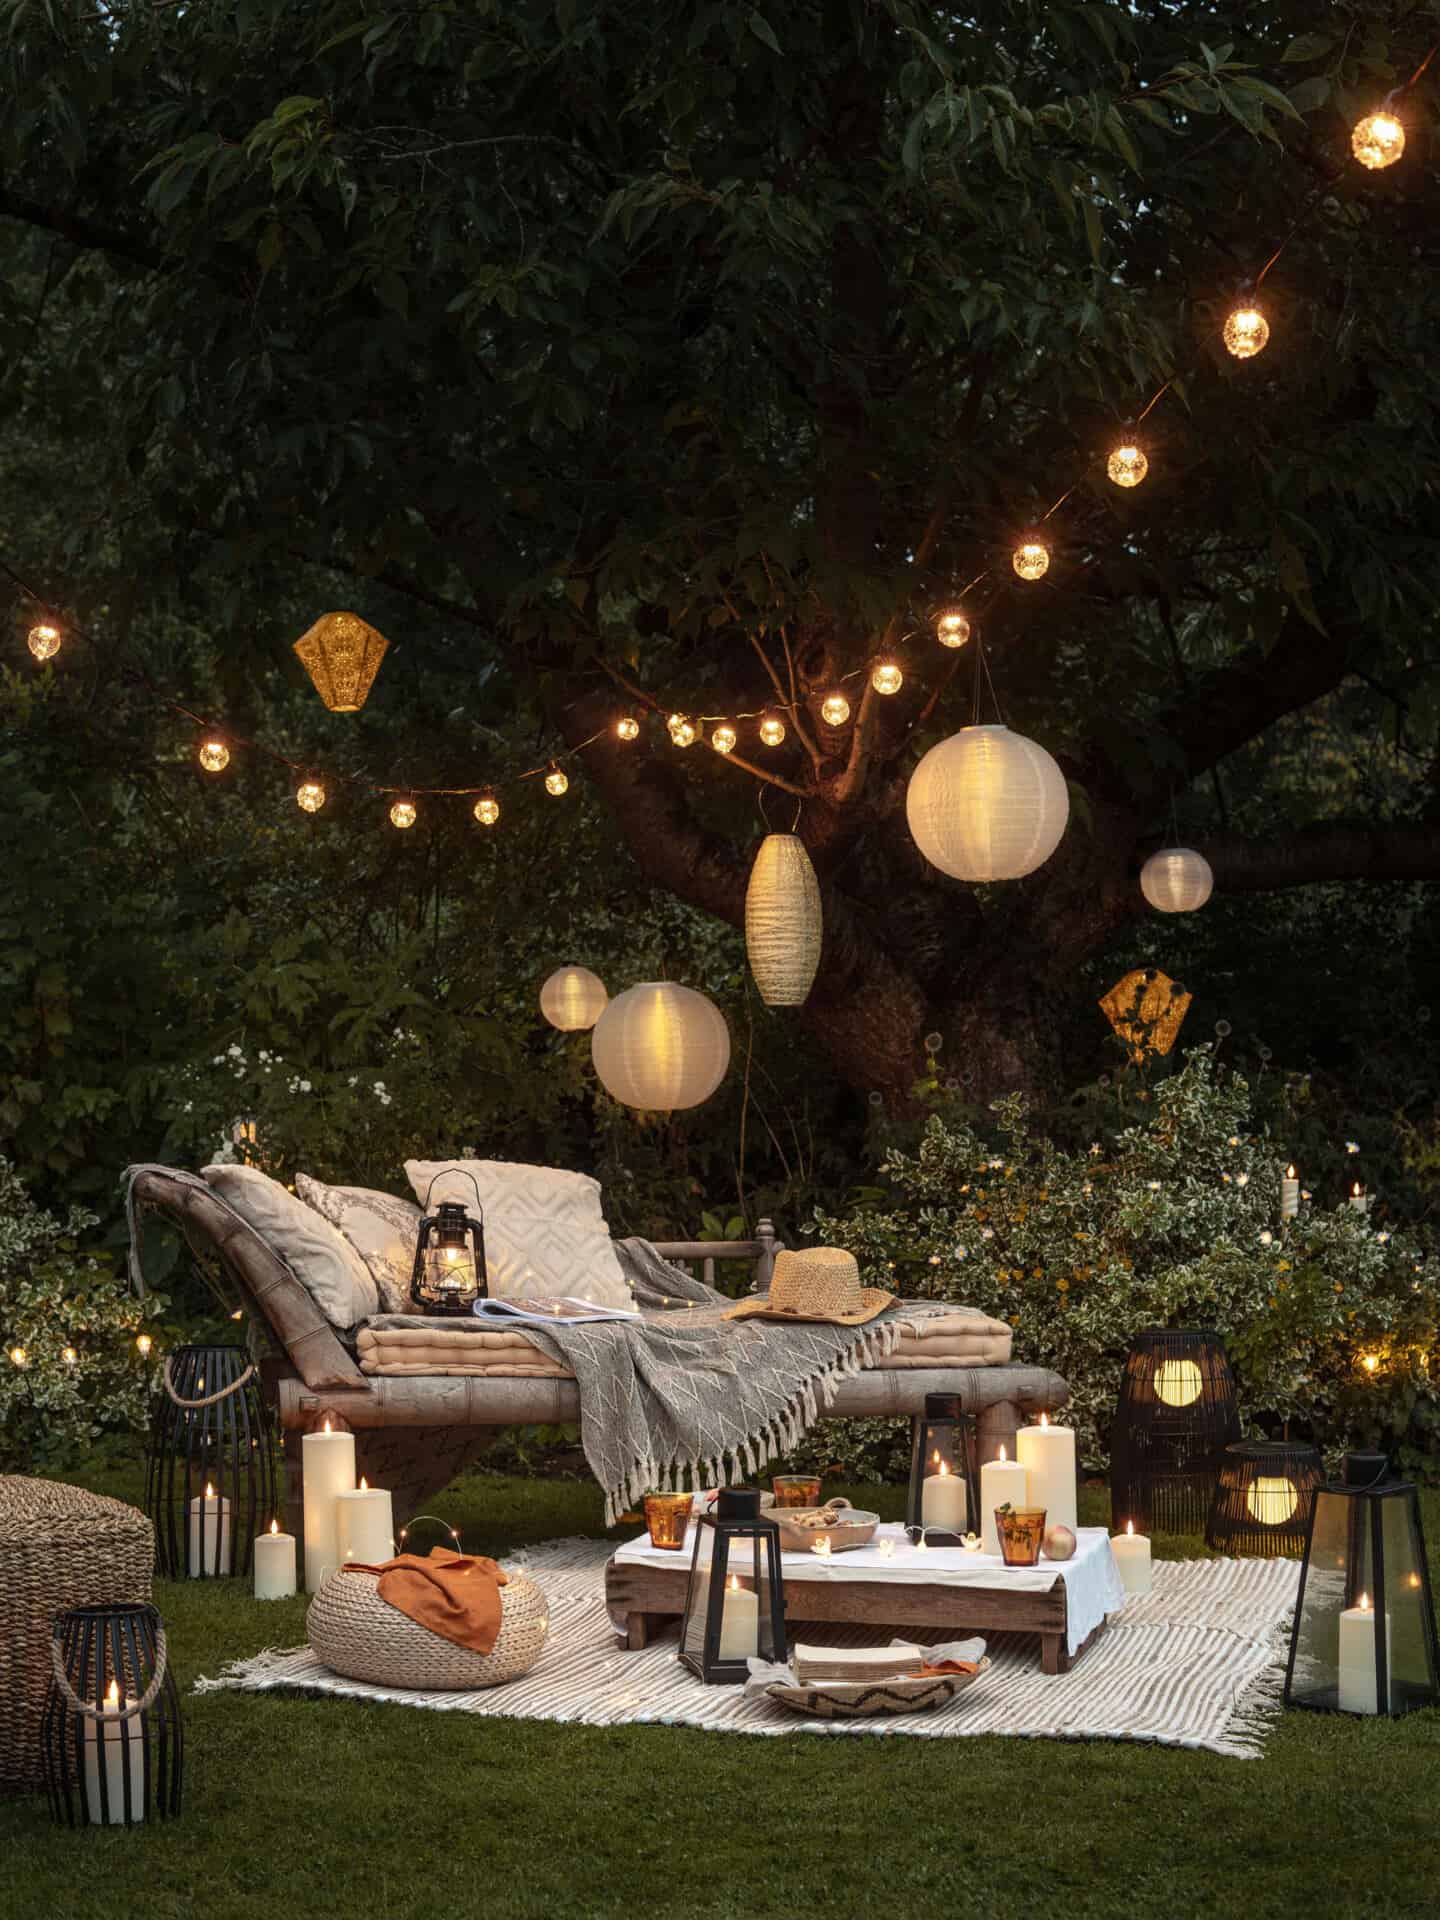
point(667, 1516)
point(1021, 1531)
point(796, 1489)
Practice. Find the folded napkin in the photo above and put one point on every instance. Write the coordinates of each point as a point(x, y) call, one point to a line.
point(456, 1595)
point(952, 1656)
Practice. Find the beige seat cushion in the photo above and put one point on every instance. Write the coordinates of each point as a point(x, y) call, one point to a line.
point(378, 1226)
point(319, 1255)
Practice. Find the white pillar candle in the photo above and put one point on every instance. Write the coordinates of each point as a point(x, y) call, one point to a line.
point(1002, 1482)
point(942, 1500)
point(105, 1744)
point(328, 1463)
point(1289, 1194)
point(274, 1564)
point(209, 1534)
point(1048, 1456)
point(740, 1622)
point(1132, 1558)
point(1357, 1658)
point(1359, 1199)
point(364, 1526)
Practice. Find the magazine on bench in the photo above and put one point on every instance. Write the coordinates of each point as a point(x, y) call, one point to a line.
point(546, 1312)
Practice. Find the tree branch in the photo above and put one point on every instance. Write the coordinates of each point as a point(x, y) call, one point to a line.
point(80, 231)
point(1333, 851)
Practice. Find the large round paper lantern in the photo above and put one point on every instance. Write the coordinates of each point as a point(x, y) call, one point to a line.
point(987, 804)
point(660, 1047)
point(783, 922)
point(573, 999)
point(1177, 880)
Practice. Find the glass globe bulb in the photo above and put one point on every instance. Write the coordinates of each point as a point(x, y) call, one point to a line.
point(952, 629)
point(487, 810)
point(1378, 141)
point(722, 739)
point(772, 729)
point(43, 640)
point(214, 756)
point(310, 796)
point(402, 814)
point(683, 730)
point(627, 727)
point(1031, 559)
point(834, 709)
point(557, 782)
point(1246, 332)
point(886, 677)
point(1127, 466)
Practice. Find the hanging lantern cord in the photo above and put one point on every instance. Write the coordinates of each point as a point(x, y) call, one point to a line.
point(983, 676)
point(799, 809)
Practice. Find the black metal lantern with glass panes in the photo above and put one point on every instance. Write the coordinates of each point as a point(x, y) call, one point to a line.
point(943, 1502)
point(735, 1601)
point(449, 1273)
point(111, 1735)
point(1364, 1634)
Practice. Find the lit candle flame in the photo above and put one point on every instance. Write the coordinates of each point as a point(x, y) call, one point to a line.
point(733, 1583)
point(940, 1467)
point(364, 1484)
point(274, 1526)
point(1044, 1420)
point(1355, 1190)
point(328, 1428)
point(1002, 1454)
point(209, 1491)
point(1129, 1526)
point(112, 1697)
point(1290, 1173)
point(1364, 1603)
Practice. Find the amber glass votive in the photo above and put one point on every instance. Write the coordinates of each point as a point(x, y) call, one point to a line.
point(667, 1515)
point(796, 1489)
point(1021, 1531)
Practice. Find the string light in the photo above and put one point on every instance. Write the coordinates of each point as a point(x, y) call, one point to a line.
point(952, 629)
point(44, 640)
point(69, 1356)
point(1246, 332)
point(487, 810)
point(834, 709)
point(683, 730)
point(772, 729)
point(214, 756)
point(557, 781)
point(310, 796)
point(1378, 141)
point(19, 1357)
point(1031, 559)
point(722, 738)
point(403, 814)
point(627, 727)
point(886, 677)
point(143, 1344)
point(1127, 465)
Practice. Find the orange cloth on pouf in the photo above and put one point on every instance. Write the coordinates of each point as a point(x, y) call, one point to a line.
point(456, 1595)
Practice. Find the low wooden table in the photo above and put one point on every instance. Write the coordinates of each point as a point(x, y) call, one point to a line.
point(649, 1596)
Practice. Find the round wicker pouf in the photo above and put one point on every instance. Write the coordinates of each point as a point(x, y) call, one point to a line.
point(363, 1637)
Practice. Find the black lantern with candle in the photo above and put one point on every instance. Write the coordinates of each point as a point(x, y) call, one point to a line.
point(449, 1274)
point(943, 1446)
point(209, 1474)
point(735, 1600)
point(111, 1733)
point(1177, 1413)
point(1364, 1633)
point(1263, 1496)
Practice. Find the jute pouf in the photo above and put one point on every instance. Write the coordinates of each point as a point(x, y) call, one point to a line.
point(363, 1637)
point(59, 1547)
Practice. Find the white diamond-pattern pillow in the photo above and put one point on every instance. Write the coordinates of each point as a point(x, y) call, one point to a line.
point(545, 1232)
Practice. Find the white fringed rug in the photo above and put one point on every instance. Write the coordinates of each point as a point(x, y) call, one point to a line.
point(1196, 1663)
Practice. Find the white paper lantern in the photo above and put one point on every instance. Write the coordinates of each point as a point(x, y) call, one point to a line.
point(573, 999)
point(987, 804)
point(660, 1047)
point(783, 922)
point(1177, 880)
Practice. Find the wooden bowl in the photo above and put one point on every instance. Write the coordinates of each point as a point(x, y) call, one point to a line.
point(799, 1531)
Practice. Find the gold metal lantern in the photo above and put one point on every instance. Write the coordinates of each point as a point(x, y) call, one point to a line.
point(783, 921)
point(1147, 1010)
point(342, 655)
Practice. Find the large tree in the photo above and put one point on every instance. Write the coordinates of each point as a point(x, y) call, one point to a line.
point(689, 356)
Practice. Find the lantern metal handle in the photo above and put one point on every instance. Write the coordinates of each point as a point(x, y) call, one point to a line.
point(109, 1714)
point(210, 1398)
point(445, 1173)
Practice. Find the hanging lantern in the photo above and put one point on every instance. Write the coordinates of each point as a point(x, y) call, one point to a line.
point(722, 738)
point(952, 628)
point(342, 655)
point(111, 1735)
point(944, 1497)
point(660, 1047)
point(1246, 332)
point(487, 810)
point(1378, 141)
point(44, 640)
point(683, 730)
point(735, 1600)
point(403, 815)
point(573, 999)
point(1031, 559)
point(214, 756)
point(209, 1480)
point(834, 709)
point(1177, 1413)
point(886, 677)
point(310, 796)
point(557, 782)
point(449, 1273)
point(783, 921)
point(1127, 465)
point(1147, 1010)
point(1177, 880)
point(627, 727)
point(987, 804)
point(1263, 1495)
point(772, 730)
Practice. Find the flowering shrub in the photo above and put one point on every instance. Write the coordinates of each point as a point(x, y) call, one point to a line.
point(1329, 1318)
point(70, 1367)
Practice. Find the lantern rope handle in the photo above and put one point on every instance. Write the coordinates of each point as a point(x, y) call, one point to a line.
point(110, 1714)
point(210, 1398)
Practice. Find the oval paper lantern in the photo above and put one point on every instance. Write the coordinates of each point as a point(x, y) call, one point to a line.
point(987, 804)
point(659, 1047)
point(1177, 880)
point(783, 922)
point(573, 999)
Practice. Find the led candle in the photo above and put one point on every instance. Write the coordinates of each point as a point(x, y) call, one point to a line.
point(1132, 1558)
point(209, 1534)
point(274, 1564)
point(1359, 1199)
point(1048, 1456)
point(1002, 1482)
point(942, 1500)
point(328, 1463)
point(1357, 1658)
point(740, 1622)
point(1289, 1194)
point(105, 1743)
point(364, 1526)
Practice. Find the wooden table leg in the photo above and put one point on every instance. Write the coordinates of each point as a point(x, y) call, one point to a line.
point(1053, 1658)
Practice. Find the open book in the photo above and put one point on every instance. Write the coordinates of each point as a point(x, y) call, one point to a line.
point(546, 1312)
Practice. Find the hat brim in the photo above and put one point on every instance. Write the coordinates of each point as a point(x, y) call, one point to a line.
point(872, 1303)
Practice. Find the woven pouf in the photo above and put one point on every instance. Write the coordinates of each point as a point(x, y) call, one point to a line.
point(59, 1547)
point(363, 1637)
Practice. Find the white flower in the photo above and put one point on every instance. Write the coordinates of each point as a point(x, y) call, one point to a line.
point(1352, 1146)
point(218, 1061)
point(934, 1259)
point(353, 1081)
point(1094, 1146)
point(1242, 1179)
point(995, 1163)
point(304, 1086)
point(962, 1253)
point(1154, 1186)
point(262, 1055)
point(235, 1052)
point(379, 1087)
point(189, 1107)
point(1234, 1139)
point(1266, 1237)
point(1382, 1237)
point(1305, 1194)
point(987, 1233)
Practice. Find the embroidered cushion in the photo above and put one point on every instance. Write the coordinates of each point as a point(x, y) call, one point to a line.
point(319, 1256)
point(378, 1226)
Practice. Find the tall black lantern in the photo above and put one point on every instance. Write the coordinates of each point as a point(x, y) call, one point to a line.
point(1364, 1633)
point(209, 1473)
point(1263, 1496)
point(1176, 1415)
point(735, 1602)
point(111, 1734)
point(449, 1273)
point(943, 1449)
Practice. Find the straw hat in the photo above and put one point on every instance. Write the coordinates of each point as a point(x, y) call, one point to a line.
point(816, 1283)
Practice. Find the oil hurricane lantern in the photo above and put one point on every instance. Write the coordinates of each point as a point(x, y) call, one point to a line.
point(735, 1601)
point(1176, 1415)
point(111, 1733)
point(449, 1273)
point(944, 1495)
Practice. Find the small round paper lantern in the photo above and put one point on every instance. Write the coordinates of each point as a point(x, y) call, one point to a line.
point(1177, 880)
point(1246, 332)
point(722, 738)
point(952, 629)
point(834, 709)
point(660, 1047)
point(683, 730)
point(987, 804)
point(783, 922)
point(573, 999)
point(310, 796)
point(1178, 1383)
point(214, 756)
point(487, 810)
point(342, 655)
point(772, 729)
point(1031, 559)
point(627, 727)
point(44, 640)
point(1378, 141)
point(1127, 465)
point(557, 781)
point(886, 677)
point(403, 814)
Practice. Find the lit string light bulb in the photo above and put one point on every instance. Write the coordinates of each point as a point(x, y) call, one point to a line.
point(214, 756)
point(627, 727)
point(886, 677)
point(834, 709)
point(487, 810)
point(1127, 465)
point(1378, 141)
point(1031, 559)
point(772, 730)
point(952, 628)
point(310, 796)
point(19, 1357)
point(44, 640)
point(722, 738)
point(403, 815)
point(143, 1344)
point(1246, 332)
point(69, 1356)
point(683, 730)
point(557, 781)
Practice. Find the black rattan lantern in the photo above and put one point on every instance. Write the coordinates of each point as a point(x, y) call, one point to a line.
point(1262, 1499)
point(1364, 1633)
point(210, 1475)
point(1177, 1414)
point(735, 1601)
point(943, 1502)
point(111, 1734)
point(449, 1274)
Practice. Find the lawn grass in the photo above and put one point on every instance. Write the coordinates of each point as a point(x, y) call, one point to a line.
point(335, 1808)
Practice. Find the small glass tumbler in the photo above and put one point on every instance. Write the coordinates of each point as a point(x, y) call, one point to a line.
point(796, 1489)
point(667, 1515)
point(1021, 1531)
